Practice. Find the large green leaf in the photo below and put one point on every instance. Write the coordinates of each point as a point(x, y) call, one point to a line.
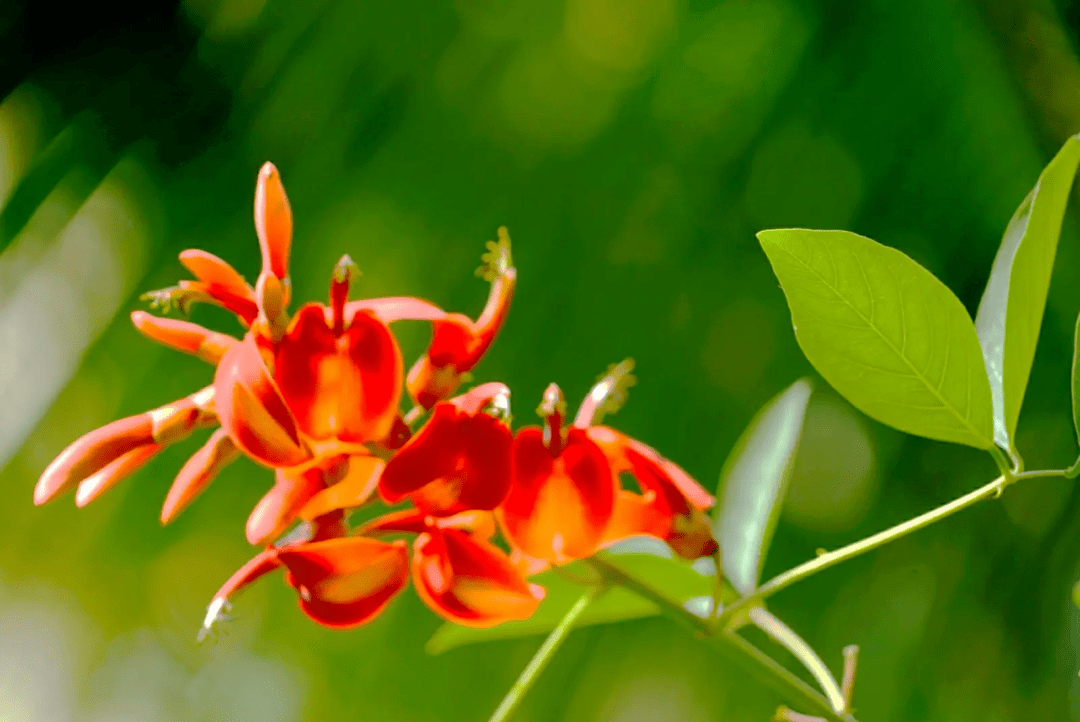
point(1010, 313)
point(885, 333)
point(753, 484)
point(649, 560)
point(1076, 379)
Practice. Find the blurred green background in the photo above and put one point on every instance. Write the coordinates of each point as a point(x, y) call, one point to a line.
point(633, 147)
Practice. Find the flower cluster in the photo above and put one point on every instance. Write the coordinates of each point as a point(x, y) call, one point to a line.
point(316, 396)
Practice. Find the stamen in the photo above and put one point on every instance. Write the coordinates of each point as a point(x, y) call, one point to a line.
point(216, 614)
point(497, 261)
point(176, 297)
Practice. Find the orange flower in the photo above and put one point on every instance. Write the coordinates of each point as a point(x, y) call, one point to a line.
point(459, 460)
point(565, 499)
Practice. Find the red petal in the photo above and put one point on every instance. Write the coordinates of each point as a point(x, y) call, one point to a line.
point(558, 508)
point(112, 473)
point(91, 452)
point(352, 491)
point(456, 462)
point(252, 410)
point(213, 271)
point(279, 507)
point(345, 582)
point(273, 221)
point(470, 582)
point(198, 472)
point(344, 386)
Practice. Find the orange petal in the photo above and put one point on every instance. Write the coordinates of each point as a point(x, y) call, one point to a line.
point(558, 507)
point(112, 473)
point(251, 408)
point(469, 581)
point(273, 221)
point(90, 453)
point(636, 514)
point(213, 271)
point(395, 308)
point(278, 509)
point(183, 336)
point(218, 452)
point(346, 582)
point(352, 491)
point(345, 386)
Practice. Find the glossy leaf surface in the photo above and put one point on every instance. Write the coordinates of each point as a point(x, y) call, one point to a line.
point(753, 484)
point(1011, 310)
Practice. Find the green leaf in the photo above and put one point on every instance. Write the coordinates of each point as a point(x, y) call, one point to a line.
point(649, 560)
point(885, 333)
point(1011, 310)
point(1076, 379)
point(753, 484)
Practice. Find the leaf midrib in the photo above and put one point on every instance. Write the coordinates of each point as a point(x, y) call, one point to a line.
point(964, 419)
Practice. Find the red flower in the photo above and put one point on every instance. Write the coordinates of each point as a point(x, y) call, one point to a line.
point(341, 581)
point(459, 460)
point(458, 573)
point(565, 499)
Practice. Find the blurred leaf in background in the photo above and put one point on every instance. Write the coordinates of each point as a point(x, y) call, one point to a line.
point(633, 149)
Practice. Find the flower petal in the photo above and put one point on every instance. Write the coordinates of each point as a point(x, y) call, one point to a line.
point(114, 472)
point(344, 386)
point(92, 452)
point(183, 336)
point(637, 514)
point(345, 582)
point(558, 507)
point(273, 221)
point(251, 408)
point(354, 490)
point(469, 581)
point(197, 473)
point(278, 509)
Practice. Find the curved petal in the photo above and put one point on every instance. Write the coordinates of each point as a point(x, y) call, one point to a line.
point(457, 461)
point(344, 386)
point(92, 452)
point(197, 473)
point(114, 472)
point(470, 582)
point(637, 514)
point(395, 308)
point(352, 491)
point(251, 408)
point(278, 509)
point(220, 281)
point(183, 336)
point(345, 582)
point(558, 507)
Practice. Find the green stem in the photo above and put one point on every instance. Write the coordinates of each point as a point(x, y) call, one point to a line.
point(543, 656)
point(791, 641)
point(729, 644)
point(828, 559)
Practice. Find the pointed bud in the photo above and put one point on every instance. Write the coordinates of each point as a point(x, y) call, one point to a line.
point(217, 453)
point(273, 222)
point(114, 472)
point(183, 336)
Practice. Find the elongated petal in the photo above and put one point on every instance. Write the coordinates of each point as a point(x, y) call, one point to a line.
point(112, 473)
point(456, 462)
point(221, 283)
point(344, 386)
point(92, 452)
point(251, 408)
point(395, 308)
point(470, 582)
point(346, 582)
point(184, 336)
point(278, 509)
point(217, 453)
point(259, 566)
point(558, 507)
point(352, 491)
point(273, 221)
point(637, 514)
